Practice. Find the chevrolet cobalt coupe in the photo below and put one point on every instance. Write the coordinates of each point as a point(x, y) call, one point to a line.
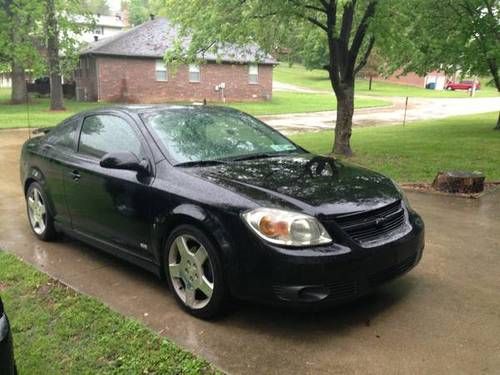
point(220, 205)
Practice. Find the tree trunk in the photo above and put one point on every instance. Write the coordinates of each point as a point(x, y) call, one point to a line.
point(459, 182)
point(498, 122)
point(370, 84)
point(56, 91)
point(492, 64)
point(343, 126)
point(18, 93)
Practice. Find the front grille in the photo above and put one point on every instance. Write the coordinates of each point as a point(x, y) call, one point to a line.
point(335, 291)
point(372, 226)
point(393, 271)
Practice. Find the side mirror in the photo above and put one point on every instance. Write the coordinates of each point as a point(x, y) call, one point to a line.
point(125, 160)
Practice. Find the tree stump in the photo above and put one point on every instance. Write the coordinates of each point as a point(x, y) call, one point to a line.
point(459, 182)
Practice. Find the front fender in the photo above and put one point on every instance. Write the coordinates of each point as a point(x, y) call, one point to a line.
point(207, 220)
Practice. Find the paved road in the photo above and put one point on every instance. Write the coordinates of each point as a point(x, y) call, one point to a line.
point(418, 109)
point(442, 318)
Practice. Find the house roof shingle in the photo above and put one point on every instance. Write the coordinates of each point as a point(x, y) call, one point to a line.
point(153, 38)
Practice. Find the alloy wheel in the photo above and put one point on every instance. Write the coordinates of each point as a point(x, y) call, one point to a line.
point(191, 271)
point(37, 211)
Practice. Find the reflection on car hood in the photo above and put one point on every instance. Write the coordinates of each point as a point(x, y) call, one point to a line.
point(306, 181)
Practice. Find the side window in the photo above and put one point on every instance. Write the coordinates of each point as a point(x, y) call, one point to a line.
point(64, 135)
point(253, 73)
point(102, 134)
point(194, 73)
point(161, 72)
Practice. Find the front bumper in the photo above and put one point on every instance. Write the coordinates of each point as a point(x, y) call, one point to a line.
point(7, 364)
point(329, 275)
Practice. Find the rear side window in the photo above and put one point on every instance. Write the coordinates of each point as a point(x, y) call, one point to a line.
point(64, 135)
point(102, 134)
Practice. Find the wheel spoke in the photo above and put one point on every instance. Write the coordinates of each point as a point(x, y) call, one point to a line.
point(37, 197)
point(200, 256)
point(206, 287)
point(31, 203)
point(182, 247)
point(189, 297)
point(175, 270)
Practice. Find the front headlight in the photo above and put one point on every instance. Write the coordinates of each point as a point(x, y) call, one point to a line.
point(286, 228)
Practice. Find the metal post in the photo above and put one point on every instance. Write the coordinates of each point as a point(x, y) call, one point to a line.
point(406, 107)
point(28, 111)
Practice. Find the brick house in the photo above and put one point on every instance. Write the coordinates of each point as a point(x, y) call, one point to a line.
point(129, 67)
point(413, 79)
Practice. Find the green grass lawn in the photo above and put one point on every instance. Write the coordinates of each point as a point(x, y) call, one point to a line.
point(418, 151)
point(58, 331)
point(318, 80)
point(15, 116)
point(291, 102)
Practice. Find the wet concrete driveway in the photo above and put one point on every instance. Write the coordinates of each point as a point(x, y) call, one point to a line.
point(443, 317)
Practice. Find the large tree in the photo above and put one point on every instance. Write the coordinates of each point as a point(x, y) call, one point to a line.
point(339, 29)
point(63, 21)
point(96, 6)
point(41, 37)
point(139, 11)
point(448, 35)
point(17, 29)
point(53, 57)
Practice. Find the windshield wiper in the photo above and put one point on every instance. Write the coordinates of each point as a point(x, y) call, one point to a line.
point(200, 163)
point(260, 155)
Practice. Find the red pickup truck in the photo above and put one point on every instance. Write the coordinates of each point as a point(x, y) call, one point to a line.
point(462, 85)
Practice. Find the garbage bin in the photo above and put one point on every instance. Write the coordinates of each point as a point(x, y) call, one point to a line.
point(431, 86)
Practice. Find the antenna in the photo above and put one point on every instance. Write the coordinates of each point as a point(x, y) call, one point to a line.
point(28, 111)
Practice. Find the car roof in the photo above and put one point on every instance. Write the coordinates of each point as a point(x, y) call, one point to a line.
point(138, 109)
point(151, 108)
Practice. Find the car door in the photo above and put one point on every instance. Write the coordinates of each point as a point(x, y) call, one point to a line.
point(57, 152)
point(110, 205)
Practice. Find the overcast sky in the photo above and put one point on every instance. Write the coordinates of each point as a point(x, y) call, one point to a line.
point(114, 5)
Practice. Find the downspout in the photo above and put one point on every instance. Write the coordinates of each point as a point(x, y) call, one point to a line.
point(98, 77)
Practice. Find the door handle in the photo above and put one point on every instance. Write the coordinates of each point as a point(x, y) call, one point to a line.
point(75, 175)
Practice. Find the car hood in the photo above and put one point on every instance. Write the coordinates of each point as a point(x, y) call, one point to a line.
point(312, 183)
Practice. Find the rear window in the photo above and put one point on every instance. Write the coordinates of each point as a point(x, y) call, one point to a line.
point(64, 135)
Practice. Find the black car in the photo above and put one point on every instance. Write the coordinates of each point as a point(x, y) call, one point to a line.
point(220, 204)
point(7, 364)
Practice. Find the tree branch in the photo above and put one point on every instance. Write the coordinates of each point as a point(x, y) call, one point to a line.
point(314, 21)
point(366, 55)
point(361, 32)
point(347, 18)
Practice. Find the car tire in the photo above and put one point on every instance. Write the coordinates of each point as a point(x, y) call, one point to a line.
point(40, 217)
point(194, 272)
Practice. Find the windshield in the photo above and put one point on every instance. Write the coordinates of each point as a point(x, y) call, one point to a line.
point(195, 134)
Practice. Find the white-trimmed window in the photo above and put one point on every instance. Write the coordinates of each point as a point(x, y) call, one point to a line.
point(161, 71)
point(194, 73)
point(253, 73)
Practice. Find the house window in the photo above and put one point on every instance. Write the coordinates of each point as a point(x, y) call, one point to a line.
point(253, 73)
point(194, 73)
point(161, 71)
